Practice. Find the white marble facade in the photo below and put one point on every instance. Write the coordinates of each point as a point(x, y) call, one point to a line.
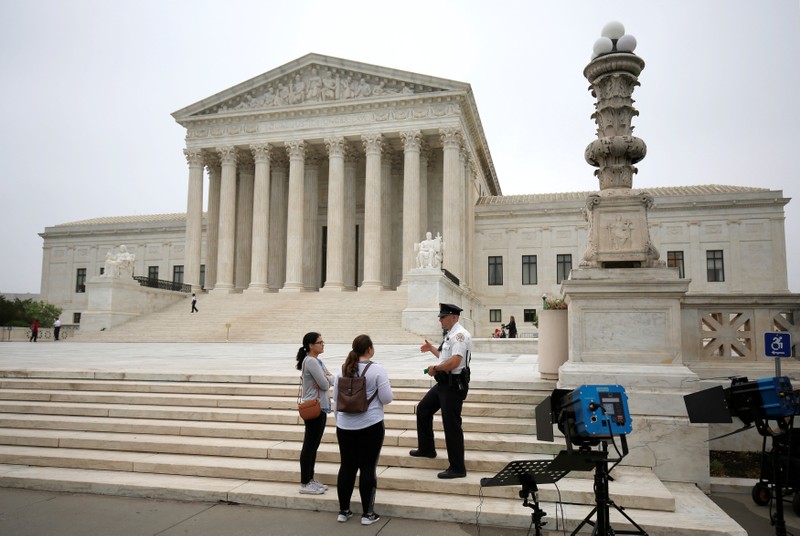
point(324, 173)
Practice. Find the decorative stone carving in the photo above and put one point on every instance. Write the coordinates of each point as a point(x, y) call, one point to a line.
point(311, 85)
point(120, 264)
point(429, 252)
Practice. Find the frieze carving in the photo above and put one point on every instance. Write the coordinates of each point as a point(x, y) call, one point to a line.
point(318, 84)
point(317, 122)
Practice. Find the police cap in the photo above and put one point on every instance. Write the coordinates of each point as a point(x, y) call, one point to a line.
point(449, 309)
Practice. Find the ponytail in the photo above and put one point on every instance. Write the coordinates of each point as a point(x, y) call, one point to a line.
point(309, 339)
point(361, 345)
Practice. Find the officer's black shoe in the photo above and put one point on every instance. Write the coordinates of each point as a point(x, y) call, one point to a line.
point(420, 454)
point(450, 473)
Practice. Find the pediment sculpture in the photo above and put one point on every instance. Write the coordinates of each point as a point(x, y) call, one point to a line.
point(429, 252)
point(119, 265)
point(318, 84)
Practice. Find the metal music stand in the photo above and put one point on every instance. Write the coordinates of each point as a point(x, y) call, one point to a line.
point(528, 474)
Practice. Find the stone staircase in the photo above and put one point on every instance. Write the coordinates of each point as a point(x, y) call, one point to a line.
point(225, 439)
point(271, 318)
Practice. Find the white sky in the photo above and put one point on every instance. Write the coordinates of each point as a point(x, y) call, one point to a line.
point(88, 87)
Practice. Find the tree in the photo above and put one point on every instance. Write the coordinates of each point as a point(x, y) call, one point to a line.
point(22, 313)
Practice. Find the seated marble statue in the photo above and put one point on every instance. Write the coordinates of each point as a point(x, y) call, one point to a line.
point(119, 264)
point(429, 252)
point(111, 268)
point(125, 262)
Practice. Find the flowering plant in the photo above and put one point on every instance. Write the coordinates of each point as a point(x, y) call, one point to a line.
point(554, 303)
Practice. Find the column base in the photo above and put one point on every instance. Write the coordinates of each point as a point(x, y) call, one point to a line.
point(222, 290)
point(335, 287)
point(257, 289)
point(292, 287)
point(371, 286)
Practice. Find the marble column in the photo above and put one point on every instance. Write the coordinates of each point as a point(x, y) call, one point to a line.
point(412, 232)
point(452, 201)
point(425, 157)
point(311, 230)
point(336, 230)
point(350, 264)
point(194, 218)
point(227, 220)
point(385, 239)
point(212, 234)
point(244, 224)
point(277, 226)
point(296, 150)
point(373, 147)
point(260, 234)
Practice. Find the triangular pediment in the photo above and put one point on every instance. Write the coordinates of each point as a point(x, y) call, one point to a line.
point(315, 79)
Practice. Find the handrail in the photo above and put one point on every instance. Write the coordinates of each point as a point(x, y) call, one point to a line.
point(162, 284)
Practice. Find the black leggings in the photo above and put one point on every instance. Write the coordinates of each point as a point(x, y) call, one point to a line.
point(359, 451)
point(308, 456)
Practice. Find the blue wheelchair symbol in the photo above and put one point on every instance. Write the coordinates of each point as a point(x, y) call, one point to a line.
point(778, 344)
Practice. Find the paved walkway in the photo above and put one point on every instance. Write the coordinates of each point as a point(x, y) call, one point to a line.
point(40, 513)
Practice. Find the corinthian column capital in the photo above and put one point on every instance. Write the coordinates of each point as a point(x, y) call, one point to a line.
point(194, 157)
point(335, 146)
point(451, 137)
point(261, 152)
point(228, 155)
point(373, 142)
point(296, 149)
point(412, 140)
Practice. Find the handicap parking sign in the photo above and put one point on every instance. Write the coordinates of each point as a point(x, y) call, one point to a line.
point(778, 344)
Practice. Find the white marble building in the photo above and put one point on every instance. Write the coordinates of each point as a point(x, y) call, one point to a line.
point(322, 175)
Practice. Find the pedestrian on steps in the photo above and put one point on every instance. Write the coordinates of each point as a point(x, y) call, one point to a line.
point(194, 303)
point(316, 383)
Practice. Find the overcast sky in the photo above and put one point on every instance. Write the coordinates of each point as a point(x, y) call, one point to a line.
point(88, 88)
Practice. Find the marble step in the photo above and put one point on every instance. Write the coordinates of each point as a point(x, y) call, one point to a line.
point(31, 430)
point(693, 515)
point(473, 408)
point(504, 396)
point(471, 423)
point(631, 488)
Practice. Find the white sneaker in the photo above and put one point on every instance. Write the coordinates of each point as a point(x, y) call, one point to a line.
point(344, 516)
point(370, 519)
point(311, 489)
point(319, 484)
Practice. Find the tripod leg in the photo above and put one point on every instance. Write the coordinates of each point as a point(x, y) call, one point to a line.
point(586, 520)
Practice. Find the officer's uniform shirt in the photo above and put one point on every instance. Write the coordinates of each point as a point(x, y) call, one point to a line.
point(457, 342)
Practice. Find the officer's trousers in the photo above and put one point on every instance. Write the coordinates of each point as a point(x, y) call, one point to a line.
point(450, 399)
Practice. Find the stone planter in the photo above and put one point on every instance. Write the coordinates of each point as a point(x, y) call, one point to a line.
point(553, 342)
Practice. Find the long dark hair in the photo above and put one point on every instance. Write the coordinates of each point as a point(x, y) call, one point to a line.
point(361, 345)
point(309, 339)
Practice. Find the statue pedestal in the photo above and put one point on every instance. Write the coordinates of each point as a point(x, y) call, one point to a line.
point(115, 300)
point(427, 288)
point(625, 328)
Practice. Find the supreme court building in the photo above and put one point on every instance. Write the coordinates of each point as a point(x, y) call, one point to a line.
point(322, 175)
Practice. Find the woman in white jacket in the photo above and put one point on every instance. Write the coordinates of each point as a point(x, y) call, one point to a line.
point(360, 435)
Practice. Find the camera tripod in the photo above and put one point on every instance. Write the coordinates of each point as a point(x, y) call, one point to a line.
point(602, 527)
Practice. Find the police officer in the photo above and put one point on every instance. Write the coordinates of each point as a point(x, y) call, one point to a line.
point(449, 393)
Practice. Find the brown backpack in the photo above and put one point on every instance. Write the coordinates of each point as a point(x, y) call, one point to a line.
point(351, 394)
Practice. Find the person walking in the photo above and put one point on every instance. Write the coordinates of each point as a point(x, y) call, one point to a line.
point(316, 381)
point(360, 435)
point(56, 328)
point(194, 303)
point(451, 373)
point(512, 328)
point(34, 331)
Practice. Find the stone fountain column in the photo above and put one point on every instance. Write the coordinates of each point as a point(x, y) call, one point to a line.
point(624, 304)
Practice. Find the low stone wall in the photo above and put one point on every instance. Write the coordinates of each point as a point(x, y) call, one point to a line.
point(506, 346)
point(18, 334)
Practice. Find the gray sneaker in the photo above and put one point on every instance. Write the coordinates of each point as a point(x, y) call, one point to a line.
point(311, 489)
point(369, 519)
point(344, 515)
point(319, 484)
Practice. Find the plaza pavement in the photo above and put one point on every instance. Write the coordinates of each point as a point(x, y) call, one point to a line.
point(42, 513)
